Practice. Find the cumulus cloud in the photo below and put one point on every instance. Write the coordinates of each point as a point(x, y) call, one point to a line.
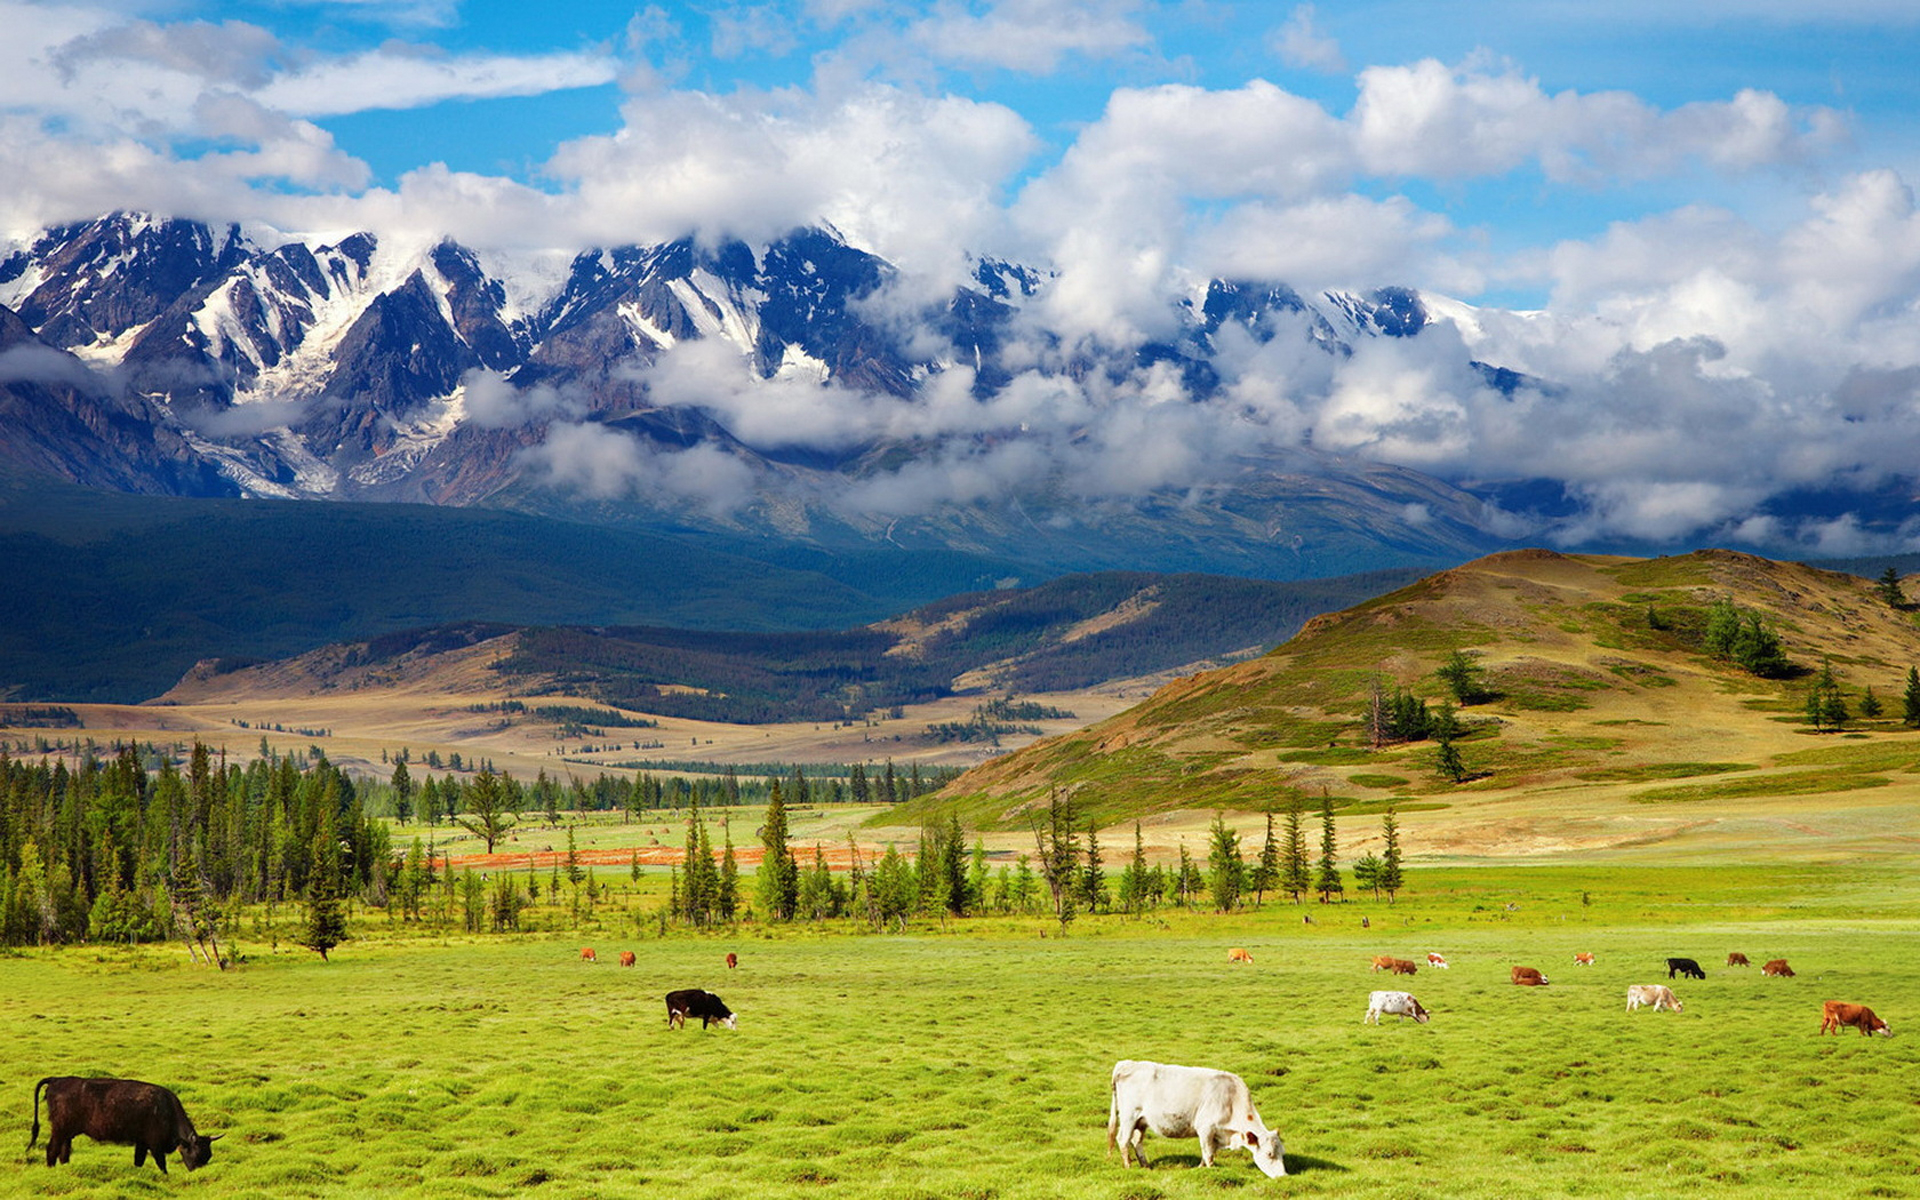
point(1032, 36)
point(610, 465)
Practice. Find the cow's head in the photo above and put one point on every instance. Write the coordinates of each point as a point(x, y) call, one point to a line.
point(731, 1020)
point(197, 1151)
point(1268, 1154)
point(1420, 1015)
point(1880, 1027)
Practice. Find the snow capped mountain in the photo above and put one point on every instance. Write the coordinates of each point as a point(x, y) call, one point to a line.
point(749, 387)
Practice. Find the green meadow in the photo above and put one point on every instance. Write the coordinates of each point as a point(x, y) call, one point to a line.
point(972, 1060)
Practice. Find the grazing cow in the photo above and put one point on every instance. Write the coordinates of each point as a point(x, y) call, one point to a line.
point(1583, 960)
point(1402, 967)
point(587, 955)
point(626, 958)
point(1398, 1004)
point(694, 1002)
point(733, 960)
point(1213, 1106)
point(1684, 966)
point(1239, 954)
point(1657, 994)
point(1778, 968)
point(1834, 1014)
point(1737, 959)
point(1528, 977)
point(1436, 962)
point(123, 1111)
point(1383, 962)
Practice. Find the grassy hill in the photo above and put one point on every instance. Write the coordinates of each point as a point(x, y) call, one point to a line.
point(1606, 719)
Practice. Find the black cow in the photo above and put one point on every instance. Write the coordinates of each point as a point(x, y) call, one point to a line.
point(124, 1111)
point(693, 1002)
point(1684, 966)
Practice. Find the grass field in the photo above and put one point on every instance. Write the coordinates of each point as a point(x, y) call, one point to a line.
point(973, 1061)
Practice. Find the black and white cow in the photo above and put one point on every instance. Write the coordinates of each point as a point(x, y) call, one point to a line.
point(695, 1002)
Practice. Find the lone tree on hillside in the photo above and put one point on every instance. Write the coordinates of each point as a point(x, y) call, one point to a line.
point(1889, 586)
point(1462, 674)
point(1327, 880)
point(1910, 701)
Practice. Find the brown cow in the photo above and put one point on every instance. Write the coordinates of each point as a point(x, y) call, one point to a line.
point(1737, 959)
point(1777, 968)
point(1835, 1013)
point(1528, 977)
point(1402, 967)
point(1239, 954)
point(626, 958)
point(587, 955)
point(126, 1112)
point(1584, 960)
point(733, 960)
point(1383, 962)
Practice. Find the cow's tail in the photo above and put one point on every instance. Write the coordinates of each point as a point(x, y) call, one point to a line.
point(35, 1135)
point(1113, 1114)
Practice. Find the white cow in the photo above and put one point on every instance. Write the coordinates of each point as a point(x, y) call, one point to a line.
point(1396, 1004)
point(1436, 961)
point(1657, 994)
point(1213, 1106)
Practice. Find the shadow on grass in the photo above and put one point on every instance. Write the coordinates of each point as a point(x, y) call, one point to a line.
point(1300, 1164)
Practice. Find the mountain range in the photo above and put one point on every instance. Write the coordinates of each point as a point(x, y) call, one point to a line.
point(170, 356)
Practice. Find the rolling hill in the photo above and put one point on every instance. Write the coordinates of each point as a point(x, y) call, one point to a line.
point(1606, 721)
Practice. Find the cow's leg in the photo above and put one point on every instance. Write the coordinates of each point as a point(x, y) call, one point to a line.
point(1137, 1138)
point(160, 1160)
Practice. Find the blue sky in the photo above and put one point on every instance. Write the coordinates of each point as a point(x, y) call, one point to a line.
point(1697, 218)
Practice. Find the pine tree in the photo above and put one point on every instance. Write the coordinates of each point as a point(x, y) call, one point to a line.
point(1870, 706)
point(1366, 873)
point(326, 924)
point(953, 865)
point(728, 899)
point(1392, 876)
point(1447, 760)
point(1462, 676)
point(1266, 875)
point(1226, 873)
point(777, 886)
point(402, 792)
point(1093, 877)
point(1910, 700)
point(1327, 879)
point(489, 819)
point(1889, 586)
point(1133, 880)
point(1295, 877)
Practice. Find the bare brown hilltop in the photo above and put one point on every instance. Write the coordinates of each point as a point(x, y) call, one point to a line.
point(1605, 721)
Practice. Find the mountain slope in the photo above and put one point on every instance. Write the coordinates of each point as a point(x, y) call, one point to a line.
point(1602, 695)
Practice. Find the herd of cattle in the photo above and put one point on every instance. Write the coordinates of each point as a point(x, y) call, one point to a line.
point(1216, 1107)
point(1172, 1101)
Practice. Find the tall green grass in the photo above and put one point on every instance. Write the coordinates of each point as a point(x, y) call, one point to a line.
point(974, 1061)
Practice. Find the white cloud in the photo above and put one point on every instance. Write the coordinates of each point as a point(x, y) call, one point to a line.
point(1301, 45)
point(1032, 36)
point(398, 78)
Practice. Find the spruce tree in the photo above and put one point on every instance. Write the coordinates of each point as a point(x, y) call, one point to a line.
point(1226, 873)
point(1133, 881)
point(1266, 875)
point(1093, 878)
point(402, 792)
point(1910, 699)
point(1295, 877)
point(1327, 878)
point(1889, 586)
point(1462, 676)
point(1392, 877)
point(777, 885)
point(326, 923)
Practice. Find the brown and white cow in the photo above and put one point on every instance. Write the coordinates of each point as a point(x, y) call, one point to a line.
point(1383, 962)
point(126, 1112)
point(1583, 960)
point(1528, 977)
point(1659, 995)
point(1778, 969)
point(1174, 1101)
point(1737, 959)
point(1835, 1013)
point(1437, 962)
point(1396, 1004)
point(627, 959)
point(587, 955)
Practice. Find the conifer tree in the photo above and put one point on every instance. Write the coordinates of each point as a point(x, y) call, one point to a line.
point(1133, 880)
point(777, 886)
point(1392, 876)
point(488, 817)
point(1327, 878)
point(728, 899)
point(1295, 877)
point(402, 785)
point(1225, 871)
point(1889, 586)
point(1910, 699)
point(326, 923)
point(1093, 876)
point(1266, 874)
